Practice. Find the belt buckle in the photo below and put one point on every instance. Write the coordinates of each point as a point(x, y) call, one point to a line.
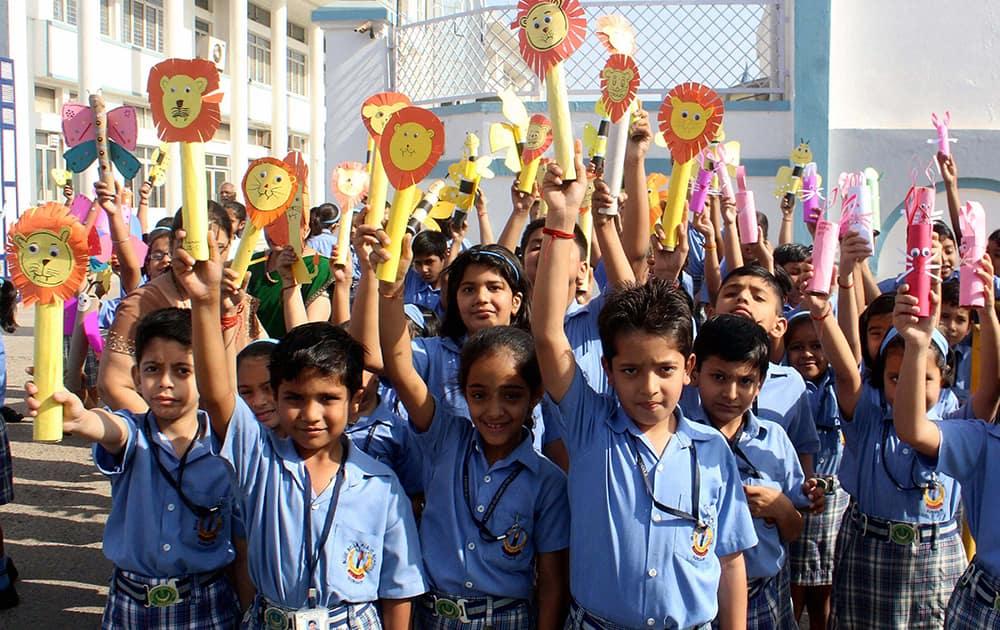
point(863, 518)
point(996, 601)
point(903, 533)
point(450, 609)
point(163, 595)
point(275, 618)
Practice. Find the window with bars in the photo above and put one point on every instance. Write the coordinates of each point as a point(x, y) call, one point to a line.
point(158, 196)
point(258, 14)
point(297, 32)
point(297, 77)
point(46, 159)
point(202, 28)
point(64, 10)
point(142, 23)
point(106, 18)
point(216, 172)
point(203, 4)
point(298, 142)
point(258, 59)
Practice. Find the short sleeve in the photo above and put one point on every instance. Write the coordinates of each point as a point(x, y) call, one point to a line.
point(552, 515)
point(444, 430)
point(802, 427)
point(581, 411)
point(735, 529)
point(402, 573)
point(422, 352)
point(110, 464)
point(963, 447)
point(244, 445)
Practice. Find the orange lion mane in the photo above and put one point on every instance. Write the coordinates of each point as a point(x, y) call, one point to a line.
point(50, 217)
point(204, 126)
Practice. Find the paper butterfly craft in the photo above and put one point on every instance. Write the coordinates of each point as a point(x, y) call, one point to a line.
point(80, 131)
point(550, 31)
point(183, 99)
point(350, 184)
point(509, 136)
point(411, 144)
point(379, 108)
point(47, 254)
point(269, 188)
point(619, 83)
point(689, 118)
point(616, 34)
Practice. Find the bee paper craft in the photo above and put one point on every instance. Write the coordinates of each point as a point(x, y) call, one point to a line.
point(269, 188)
point(788, 181)
point(160, 161)
point(466, 175)
point(550, 31)
point(375, 113)
point(60, 176)
point(972, 219)
point(184, 102)
point(411, 145)
point(509, 136)
point(920, 269)
point(350, 185)
point(119, 128)
point(689, 118)
point(47, 257)
point(421, 217)
point(537, 142)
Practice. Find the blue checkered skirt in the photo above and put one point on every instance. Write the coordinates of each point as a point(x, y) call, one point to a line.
point(212, 606)
point(6, 466)
point(881, 585)
point(968, 612)
point(769, 604)
point(810, 556)
point(520, 617)
point(363, 616)
point(580, 619)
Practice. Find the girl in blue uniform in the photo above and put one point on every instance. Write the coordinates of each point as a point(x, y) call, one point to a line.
point(496, 513)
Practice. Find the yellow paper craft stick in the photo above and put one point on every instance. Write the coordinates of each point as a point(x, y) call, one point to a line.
point(673, 214)
point(195, 208)
point(402, 205)
point(241, 262)
point(526, 178)
point(48, 425)
point(294, 217)
point(101, 138)
point(586, 222)
point(378, 191)
point(344, 236)
point(562, 125)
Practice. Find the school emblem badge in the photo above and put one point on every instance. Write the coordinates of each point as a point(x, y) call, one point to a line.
point(701, 541)
point(934, 496)
point(514, 540)
point(360, 558)
point(209, 527)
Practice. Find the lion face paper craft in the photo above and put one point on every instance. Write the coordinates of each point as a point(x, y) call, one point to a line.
point(689, 118)
point(550, 31)
point(350, 184)
point(411, 144)
point(379, 108)
point(269, 188)
point(539, 138)
point(619, 83)
point(183, 99)
point(48, 254)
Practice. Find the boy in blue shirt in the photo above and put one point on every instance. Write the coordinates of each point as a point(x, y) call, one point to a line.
point(661, 494)
point(956, 326)
point(170, 530)
point(330, 531)
point(425, 278)
point(731, 362)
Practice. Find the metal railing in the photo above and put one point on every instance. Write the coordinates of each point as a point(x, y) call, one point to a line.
point(734, 46)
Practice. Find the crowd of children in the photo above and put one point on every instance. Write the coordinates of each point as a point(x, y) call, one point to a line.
point(539, 432)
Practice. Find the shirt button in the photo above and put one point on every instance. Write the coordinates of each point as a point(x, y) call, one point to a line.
point(651, 573)
point(659, 468)
point(906, 451)
point(487, 479)
point(166, 546)
point(468, 585)
point(656, 518)
point(651, 622)
point(170, 507)
point(480, 509)
point(314, 507)
point(471, 546)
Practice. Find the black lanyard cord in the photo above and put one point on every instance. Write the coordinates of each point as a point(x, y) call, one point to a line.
point(177, 484)
point(695, 486)
point(313, 552)
point(886, 425)
point(484, 531)
point(738, 452)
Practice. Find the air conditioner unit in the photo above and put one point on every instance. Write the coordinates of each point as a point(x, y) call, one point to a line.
point(213, 49)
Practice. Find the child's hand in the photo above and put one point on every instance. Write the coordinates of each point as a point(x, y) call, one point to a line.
point(853, 249)
point(949, 171)
point(729, 211)
point(285, 261)
point(914, 329)
point(202, 279)
point(640, 136)
point(369, 244)
point(68, 192)
point(564, 198)
point(764, 502)
point(405, 259)
point(668, 265)
point(108, 197)
point(521, 202)
point(344, 272)
point(73, 409)
point(144, 191)
point(817, 305)
point(601, 198)
point(233, 292)
point(984, 271)
point(457, 232)
point(480, 201)
point(816, 494)
point(761, 250)
point(702, 224)
point(787, 206)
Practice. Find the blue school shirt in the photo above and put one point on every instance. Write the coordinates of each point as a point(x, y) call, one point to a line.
point(970, 452)
point(533, 508)
point(826, 415)
point(765, 457)
point(373, 551)
point(323, 243)
point(385, 436)
point(695, 260)
point(873, 448)
point(416, 291)
point(963, 372)
point(581, 331)
point(150, 531)
point(630, 562)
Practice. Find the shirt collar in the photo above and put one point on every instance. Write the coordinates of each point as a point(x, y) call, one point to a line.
point(684, 433)
point(524, 452)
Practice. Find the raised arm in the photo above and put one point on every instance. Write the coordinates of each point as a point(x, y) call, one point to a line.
point(340, 311)
point(732, 252)
point(292, 305)
point(712, 272)
point(635, 213)
point(984, 401)
point(838, 351)
point(854, 252)
point(121, 240)
point(616, 263)
point(142, 212)
point(555, 355)
point(520, 212)
point(485, 229)
point(365, 312)
point(787, 232)
point(910, 405)
point(949, 173)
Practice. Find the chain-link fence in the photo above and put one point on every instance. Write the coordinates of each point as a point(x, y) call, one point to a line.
point(734, 46)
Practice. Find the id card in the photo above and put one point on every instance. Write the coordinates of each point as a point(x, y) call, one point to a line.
point(312, 619)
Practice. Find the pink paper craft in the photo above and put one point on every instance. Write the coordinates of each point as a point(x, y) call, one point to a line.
point(722, 172)
point(746, 217)
point(972, 219)
point(942, 124)
point(856, 214)
point(80, 131)
point(823, 254)
point(701, 186)
point(80, 208)
point(810, 194)
point(920, 269)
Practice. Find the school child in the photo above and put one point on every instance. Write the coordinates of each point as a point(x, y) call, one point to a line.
point(8, 572)
point(496, 510)
point(425, 279)
point(966, 450)
point(794, 259)
point(898, 551)
point(330, 532)
point(752, 291)
point(955, 324)
point(659, 493)
point(731, 361)
point(253, 382)
point(169, 533)
point(321, 238)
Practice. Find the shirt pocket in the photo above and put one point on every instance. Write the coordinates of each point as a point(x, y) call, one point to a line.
point(696, 545)
point(212, 530)
point(355, 564)
point(516, 552)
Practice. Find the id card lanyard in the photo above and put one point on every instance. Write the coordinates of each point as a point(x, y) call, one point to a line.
point(695, 486)
point(177, 484)
point(313, 552)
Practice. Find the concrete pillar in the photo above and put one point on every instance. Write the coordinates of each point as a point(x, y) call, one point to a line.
point(177, 45)
point(317, 113)
point(279, 78)
point(238, 91)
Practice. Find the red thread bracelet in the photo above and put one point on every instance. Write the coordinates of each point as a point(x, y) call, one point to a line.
point(554, 233)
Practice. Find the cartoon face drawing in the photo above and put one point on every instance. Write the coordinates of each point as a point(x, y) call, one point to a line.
point(688, 119)
point(47, 253)
point(411, 145)
point(379, 108)
point(183, 99)
point(45, 257)
point(545, 26)
point(268, 186)
point(618, 82)
point(801, 154)
point(352, 182)
point(549, 31)
point(539, 134)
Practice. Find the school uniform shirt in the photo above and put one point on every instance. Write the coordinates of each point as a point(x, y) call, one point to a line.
point(416, 291)
point(963, 372)
point(765, 457)
point(826, 415)
point(532, 510)
point(373, 551)
point(386, 437)
point(970, 452)
point(150, 530)
point(885, 476)
point(581, 331)
point(323, 243)
point(631, 562)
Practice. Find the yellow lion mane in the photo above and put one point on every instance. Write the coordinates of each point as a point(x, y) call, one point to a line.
point(204, 126)
point(54, 218)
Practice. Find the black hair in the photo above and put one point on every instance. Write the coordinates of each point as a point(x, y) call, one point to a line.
point(877, 377)
point(498, 259)
point(8, 303)
point(793, 324)
point(217, 216)
point(430, 243)
point(951, 294)
point(779, 284)
point(170, 324)
point(516, 343)
point(578, 237)
point(994, 236)
point(318, 347)
point(654, 308)
point(260, 349)
point(158, 231)
point(762, 224)
point(238, 209)
point(881, 305)
point(431, 326)
point(943, 231)
point(734, 339)
point(791, 253)
point(320, 218)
